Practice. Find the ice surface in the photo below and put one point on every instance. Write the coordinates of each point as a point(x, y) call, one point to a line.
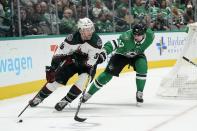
point(113, 108)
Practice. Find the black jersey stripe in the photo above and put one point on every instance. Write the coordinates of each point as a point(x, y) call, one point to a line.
point(116, 45)
point(97, 83)
point(141, 75)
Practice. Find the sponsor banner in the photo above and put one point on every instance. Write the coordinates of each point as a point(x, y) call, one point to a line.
point(25, 60)
point(166, 46)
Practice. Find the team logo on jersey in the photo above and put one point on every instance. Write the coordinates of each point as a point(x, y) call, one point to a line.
point(62, 45)
point(96, 56)
point(69, 37)
point(99, 42)
point(120, 43)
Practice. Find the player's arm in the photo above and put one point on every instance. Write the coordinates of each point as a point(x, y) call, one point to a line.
point(67, 48)
point(107, 49)
point(114, 44)
point(110, 46)
point(69, 45)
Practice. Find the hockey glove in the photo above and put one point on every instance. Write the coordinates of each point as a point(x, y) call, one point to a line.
point(50, 74)
point(91, 70)
point(102, 57)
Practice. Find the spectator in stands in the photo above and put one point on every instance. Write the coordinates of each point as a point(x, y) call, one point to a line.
point(2, 13)
point(179, 5)
point(138, 11)
point(60, 8)
point(153, 10)
point(121, 4)
point(121, 21)
point(108, 4)
point(103, 25)
point(98, 8)
point(50, 16)
point(68, 23)
point(177, 19)
point(2, 17)
point(43, 18)
point(62, 4)
point(40, 20)
point(38, 16)
point(165, 10)
point(160, 24)
point(27, 28)
point(81, 11)
point(26, 2)
point(30, 8)
point(71, 5)
point(44, 7)
point(162, 19)
point(189, 13)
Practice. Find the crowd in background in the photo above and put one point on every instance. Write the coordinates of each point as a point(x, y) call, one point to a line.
point(47, 17)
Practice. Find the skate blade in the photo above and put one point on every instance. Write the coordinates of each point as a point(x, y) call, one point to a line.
point(139, 104)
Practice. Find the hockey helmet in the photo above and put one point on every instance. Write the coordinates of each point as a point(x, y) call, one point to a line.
point(139, 29)
point(85, 23)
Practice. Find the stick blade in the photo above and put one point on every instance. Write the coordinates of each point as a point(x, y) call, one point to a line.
point(79, 119)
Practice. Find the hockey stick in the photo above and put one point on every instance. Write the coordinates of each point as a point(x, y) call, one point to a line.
point(188, 60)
point(76, 117)
point(58, 68)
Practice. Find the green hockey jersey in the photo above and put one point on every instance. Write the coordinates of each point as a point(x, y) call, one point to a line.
point(126, 44)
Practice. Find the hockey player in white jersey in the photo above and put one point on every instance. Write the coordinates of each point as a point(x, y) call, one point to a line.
point(77, 54)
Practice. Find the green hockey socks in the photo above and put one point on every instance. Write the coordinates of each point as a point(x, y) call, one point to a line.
point(140, 81)
point(101, 80)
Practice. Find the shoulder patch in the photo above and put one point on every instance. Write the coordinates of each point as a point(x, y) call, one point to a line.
point(69, 37)
point(125, 36)
point(99, 42)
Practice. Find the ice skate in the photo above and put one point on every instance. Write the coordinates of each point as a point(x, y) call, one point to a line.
point(61, 104)
point(86, 97)
point(139, 98)
point(34, 102)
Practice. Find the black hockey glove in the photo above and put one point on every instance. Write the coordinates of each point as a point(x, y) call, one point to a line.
point(102, 57)
point(50, 74)
point(92, 72)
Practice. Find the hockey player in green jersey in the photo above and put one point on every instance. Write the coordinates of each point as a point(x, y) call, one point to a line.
point(129, 49)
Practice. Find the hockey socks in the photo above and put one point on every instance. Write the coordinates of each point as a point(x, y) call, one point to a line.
point(45, 92)
point(140, 81)
point(102, 79)
point(73, 93)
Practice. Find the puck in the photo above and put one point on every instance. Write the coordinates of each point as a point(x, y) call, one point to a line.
point(20, 121)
